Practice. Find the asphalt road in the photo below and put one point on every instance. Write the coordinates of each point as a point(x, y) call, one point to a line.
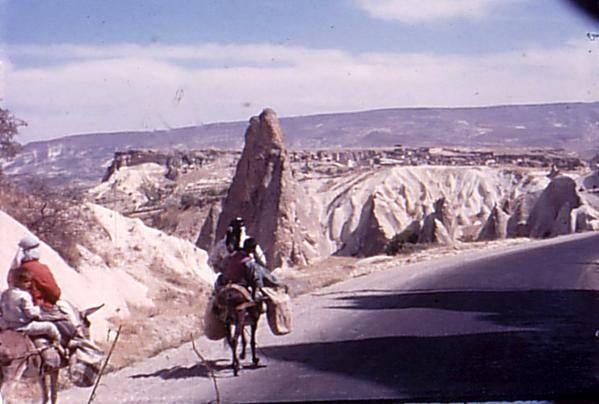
point(512, 326)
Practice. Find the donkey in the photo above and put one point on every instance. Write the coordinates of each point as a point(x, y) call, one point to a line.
point(21, 358)
point(238, 309)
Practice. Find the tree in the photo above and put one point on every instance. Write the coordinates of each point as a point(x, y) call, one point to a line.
point(9, 128)
point(56, 216)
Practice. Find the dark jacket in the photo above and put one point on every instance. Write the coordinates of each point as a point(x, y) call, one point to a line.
point(236, 269)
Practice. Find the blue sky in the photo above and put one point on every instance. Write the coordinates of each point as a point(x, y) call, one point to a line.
point(86, 66)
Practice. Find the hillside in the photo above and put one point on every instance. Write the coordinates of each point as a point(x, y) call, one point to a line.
point(83, 159)
point(146, 280)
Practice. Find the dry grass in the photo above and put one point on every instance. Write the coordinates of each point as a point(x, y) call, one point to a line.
point(151, 331)
point(179, 307)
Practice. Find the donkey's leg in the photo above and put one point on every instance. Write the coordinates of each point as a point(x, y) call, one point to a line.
point(243, 339)
point(13, 378)
point(232, 340)
point(254, 327)
point(54, 386)
point(43, 382)
point(238, 330)
point(228, 335)
point(49, 386)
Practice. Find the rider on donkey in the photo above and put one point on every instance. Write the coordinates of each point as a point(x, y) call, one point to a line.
point(20, 314)
point(242, 268)
point(45, 291)
point(234, 238)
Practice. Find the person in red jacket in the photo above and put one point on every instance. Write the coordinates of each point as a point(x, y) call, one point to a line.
point(44, 289)
point(45, 292)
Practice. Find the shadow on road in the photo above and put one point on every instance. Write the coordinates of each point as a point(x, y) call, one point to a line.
point(566, 311)
point(182, 372)
point(553, 359)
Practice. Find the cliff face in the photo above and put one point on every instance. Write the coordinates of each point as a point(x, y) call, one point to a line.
point(301, 214)
point(174, 161)
point(446, 205)
point(265, 193)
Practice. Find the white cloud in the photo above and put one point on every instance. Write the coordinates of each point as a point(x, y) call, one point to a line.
point(128, 87)
point(423, 11)
point(226, 54)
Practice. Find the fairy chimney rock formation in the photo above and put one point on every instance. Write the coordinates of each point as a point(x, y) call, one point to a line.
point(266, 195)
point(437, 227)
point(206, 239)
point(495, 227)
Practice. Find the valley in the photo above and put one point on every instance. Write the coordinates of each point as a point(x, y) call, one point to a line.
point(322, 216)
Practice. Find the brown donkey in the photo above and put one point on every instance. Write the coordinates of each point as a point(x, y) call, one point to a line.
point(21, 358)
point(237, 309)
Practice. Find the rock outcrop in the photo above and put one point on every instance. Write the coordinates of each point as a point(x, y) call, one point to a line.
point(445, 205)
point(172, 191)
point(584, 218)
point(372, 233)
point(495, 226)
point(550, 216)
point(206, 237)
point(517, 224)
point(557, 209)
point(437, 226)
point(591, 182)
point(174, 161)
point(265, 193)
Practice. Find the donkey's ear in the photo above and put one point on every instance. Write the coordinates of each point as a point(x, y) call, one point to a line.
point(91, 310)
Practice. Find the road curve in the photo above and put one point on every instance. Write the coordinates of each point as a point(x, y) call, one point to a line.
point(514, 325)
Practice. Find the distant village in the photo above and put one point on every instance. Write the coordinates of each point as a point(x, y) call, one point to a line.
point(558, 159)
point(339, 161)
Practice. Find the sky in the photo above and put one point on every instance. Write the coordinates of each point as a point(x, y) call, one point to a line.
point(82, 66)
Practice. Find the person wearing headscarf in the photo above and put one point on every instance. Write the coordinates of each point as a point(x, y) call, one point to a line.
point(233, 241)
point(44, 289)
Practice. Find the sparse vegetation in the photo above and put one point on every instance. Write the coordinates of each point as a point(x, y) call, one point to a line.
point(215, 192)
point(188, 200)
point(56, 216)
point(9, 128)
point(402, 242)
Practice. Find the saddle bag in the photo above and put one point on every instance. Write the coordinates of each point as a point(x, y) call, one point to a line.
point(85, 363)
point(278, 311)
point(214, 328)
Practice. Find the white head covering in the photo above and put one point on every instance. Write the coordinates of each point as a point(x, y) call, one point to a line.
point(29, 246)
point(28, 250)
point(31, 254)
point(29, 241)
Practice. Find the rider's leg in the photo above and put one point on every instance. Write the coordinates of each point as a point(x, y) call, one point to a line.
point(38, 328)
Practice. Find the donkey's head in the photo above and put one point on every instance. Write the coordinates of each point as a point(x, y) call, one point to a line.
point(78, 319)
point(86, 357)
point(84, 323)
